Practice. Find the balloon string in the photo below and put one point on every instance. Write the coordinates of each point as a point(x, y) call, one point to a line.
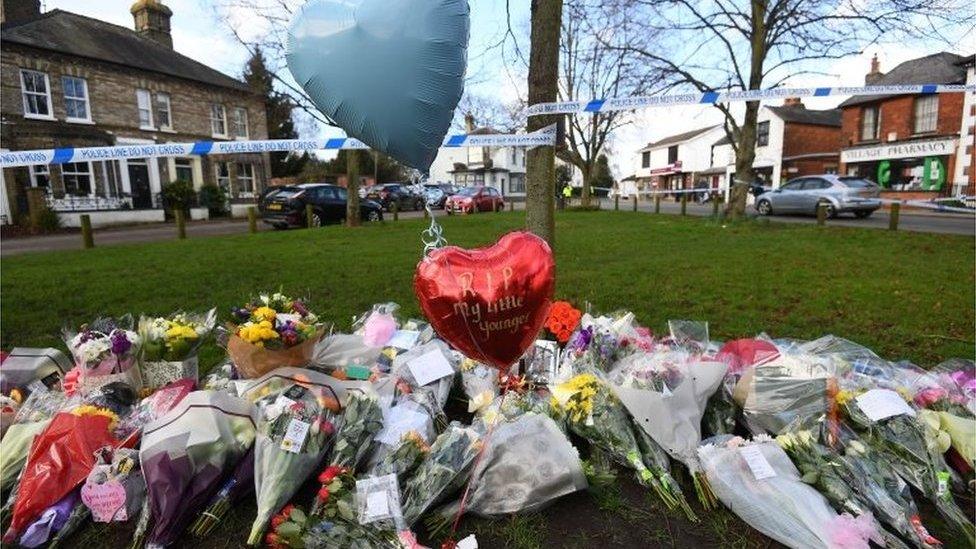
point(432, 236)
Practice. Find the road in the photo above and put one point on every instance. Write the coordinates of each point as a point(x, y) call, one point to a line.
point(939, 223)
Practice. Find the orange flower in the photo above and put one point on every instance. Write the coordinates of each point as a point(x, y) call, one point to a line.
point(563, 320)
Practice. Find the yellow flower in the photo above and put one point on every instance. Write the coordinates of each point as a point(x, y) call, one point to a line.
point(180, 331)
point(257, 333)
point(264, 313)
point(89, 410)
point(844, 396)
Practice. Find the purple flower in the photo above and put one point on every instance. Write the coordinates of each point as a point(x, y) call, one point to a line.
point(120, 342)
point(241, 314)
point(299, 307)
point(580, 340)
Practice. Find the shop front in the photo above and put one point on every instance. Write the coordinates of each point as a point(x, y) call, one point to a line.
point(919, 166)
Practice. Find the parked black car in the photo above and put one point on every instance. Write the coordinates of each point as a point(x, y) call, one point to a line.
point(438, 193)
point(399, 193)
point(286, 207)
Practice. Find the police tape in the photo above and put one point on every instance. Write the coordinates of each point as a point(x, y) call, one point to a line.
point(934, 204)
point(739, 96)
point(11, 159)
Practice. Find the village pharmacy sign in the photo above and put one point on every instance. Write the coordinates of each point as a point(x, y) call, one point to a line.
point(941, 147)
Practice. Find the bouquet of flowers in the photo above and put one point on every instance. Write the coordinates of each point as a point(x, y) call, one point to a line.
point(833, 477)
point(170, 345)
point(666, 393)
point(890, 427)
point(562, 320)
point(297, 415)
point(404, 458)
point(593, 412)
point(53, 521)
point(336, 524)
point(427, 372)
point(406, 416)
point(758, 482)
point(447, 467)
point(527, 463)
point(31, 419)
point(157, 404)
point(378, 326)
point(274, 331)
point(63, 455)
point(115, 488)
point(186, 453)
point(239, 484)
point(105, 351)
point(600, 341)
point(479, 382)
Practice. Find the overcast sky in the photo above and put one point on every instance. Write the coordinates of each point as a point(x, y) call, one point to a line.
point(199, 33)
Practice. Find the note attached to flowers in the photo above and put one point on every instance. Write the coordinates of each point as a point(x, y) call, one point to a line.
point(429, 367)
point(404, 339)
point(760, 467)
point(880, 404)
point(295, 436)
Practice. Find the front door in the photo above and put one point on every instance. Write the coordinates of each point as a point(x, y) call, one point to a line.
point(139, 183)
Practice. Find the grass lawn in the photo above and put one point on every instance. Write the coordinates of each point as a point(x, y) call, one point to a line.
point(905, 295)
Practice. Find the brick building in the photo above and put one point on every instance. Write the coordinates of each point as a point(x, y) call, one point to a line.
point(964, 180)
point(906, 142)
point(68, 80)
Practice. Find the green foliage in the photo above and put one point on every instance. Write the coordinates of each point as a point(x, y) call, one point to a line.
point(49, 220)
point(214, 199)
point(564, 176)
point(178, 195)
point(602, 176)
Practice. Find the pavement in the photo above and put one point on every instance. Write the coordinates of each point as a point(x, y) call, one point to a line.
point(943, 223)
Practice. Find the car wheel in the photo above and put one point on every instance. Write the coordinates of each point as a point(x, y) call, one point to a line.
point(499, 207)
point(373, 215)
point(863, 214)
point(831, 211)
point(764, 207)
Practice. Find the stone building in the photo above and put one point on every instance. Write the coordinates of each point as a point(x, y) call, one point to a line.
point(67, 80)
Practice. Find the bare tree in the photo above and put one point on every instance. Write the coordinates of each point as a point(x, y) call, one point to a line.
point(489, 111)
point(721, 45)
point(595, 63)
point(540, 187)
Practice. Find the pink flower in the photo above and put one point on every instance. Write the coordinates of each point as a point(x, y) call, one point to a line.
point(929, 396)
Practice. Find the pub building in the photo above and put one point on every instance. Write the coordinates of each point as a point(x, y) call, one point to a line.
point(906, 143)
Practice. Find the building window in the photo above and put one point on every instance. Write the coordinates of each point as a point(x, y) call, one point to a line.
point(164, 113)
point(926, 113)
point(76, 99)
point(218, 120)
point(245, 180)
point(869, 123)
point(672, 154)
point(762, 134)
point(184, 169)
point(514, 156)
point(40, 176)
point(646, 159)
point(37, 94)
point(113, 178)
point(222, 170)
point(144, 102)
point(516, 185)
point(77, 178)
point(240, 123)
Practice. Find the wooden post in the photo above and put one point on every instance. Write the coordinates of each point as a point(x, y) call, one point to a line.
point(87, 238)
point(309, 214)
point(396, 211)
point(657, 203)
point(426, 215)
point(252, 219)
point(822, 214)
point(635, 202)
point(893, 216)
point(35, 206)
point(511, 206)
point(684, 203)
point(616, 203)
point(180, 223)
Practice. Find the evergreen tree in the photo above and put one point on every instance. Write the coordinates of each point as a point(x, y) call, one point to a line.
point(602, 176)
point(278, 110)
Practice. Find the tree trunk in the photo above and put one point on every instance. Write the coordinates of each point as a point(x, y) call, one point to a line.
point(540, 180)
point(587, 185)
point(352, 188)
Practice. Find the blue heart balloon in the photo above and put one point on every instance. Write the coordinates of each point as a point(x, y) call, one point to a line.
point(389, 72)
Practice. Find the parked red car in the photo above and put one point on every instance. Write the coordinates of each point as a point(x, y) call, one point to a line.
point(475, 199)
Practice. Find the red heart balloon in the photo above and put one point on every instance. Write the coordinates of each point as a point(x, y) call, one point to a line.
point(491, 302)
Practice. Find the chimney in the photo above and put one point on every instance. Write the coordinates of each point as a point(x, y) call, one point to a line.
point(17, 11)
point(152, 21)
point(469, 123)
point(795, 102)
point(875, 74)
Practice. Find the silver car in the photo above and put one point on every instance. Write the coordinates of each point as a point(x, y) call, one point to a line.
point(840, 194)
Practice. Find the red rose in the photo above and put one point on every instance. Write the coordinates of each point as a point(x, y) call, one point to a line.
point(287, 510)
point(330, 472)
point(277, 521)
point(323, 494)
point(271, 540)
point(327, 427)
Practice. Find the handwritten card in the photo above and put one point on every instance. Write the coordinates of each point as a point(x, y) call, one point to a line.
point(760, 467)
point(106, 501)
point(295, 436)
point(401, 420)
point(879, 404)
point(377, 498)
point(429, 367)
point(377, 504)
point(404, 339)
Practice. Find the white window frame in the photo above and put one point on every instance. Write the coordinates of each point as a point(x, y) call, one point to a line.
point(245, 181)
point(84, 86)
point(247, 130)
point(47, 95)
point(227, 179)
point(112, 173)
point(140, 94)
point(90, 173)
point(877, 122)
point(933, 100)
point(160, 97)
point(186, 159)
point(222, 119)
point(36, 170)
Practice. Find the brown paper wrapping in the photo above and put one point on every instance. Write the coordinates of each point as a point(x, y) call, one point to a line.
point(253, 361)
